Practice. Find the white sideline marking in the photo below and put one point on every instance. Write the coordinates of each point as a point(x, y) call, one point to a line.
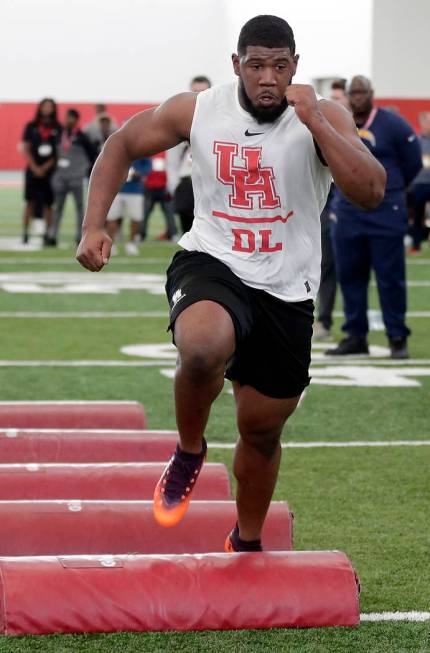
point(86, 314)
point(131, 314)
point(350, 360)
point(409, 314)
point(66, 402)
point(81, 282)
point(71, 261)
point(335, 445)
point(37, 467)
point(15, 432)
point(224, 445)
point(395, 616)
point(82, 363)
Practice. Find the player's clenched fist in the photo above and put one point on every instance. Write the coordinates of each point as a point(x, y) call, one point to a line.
point(302, 97)
point(94, 250)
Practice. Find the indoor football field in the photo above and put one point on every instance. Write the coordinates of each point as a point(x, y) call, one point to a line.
point(356, 458)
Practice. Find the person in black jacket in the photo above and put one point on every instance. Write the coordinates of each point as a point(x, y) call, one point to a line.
point(40, 141)
point(76, 156)
point(366, 240)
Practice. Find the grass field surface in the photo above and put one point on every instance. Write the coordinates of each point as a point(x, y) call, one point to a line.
point(59, 340)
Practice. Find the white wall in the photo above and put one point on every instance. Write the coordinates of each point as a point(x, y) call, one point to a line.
point(145, 50)
point(333, 37)
point(118, 50)
point(401, 44)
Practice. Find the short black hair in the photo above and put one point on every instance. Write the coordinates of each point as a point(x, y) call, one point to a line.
point(201, 79)
point(338, 84)
point(74, 113)
point(268, 32)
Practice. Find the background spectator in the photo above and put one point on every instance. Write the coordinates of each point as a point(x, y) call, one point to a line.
point(327, 290)
point(129, 203)
point(179, 170)
point(102, 124)
point(76, 155)
point(374, 239)
point(155, 185)
point(420, 190)
point(40, 140)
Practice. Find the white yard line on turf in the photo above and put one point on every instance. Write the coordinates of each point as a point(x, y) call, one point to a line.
point(85, 314)
point(335, 445)
point(347, 362)
point(72, 261)
point(409, 314)
point(67, 402)
point(395, 616)
point(84, 363)
point(130, 314)
point(9, 432)
point(221, 445)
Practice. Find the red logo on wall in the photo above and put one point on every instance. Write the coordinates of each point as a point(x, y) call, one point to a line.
point(249, 181)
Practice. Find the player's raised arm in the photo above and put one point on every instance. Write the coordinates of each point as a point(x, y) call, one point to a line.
point(356, 172)
point(147, 133)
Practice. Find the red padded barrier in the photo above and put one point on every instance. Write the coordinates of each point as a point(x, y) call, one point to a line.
point(72, 415)
point(34, 528)
point(78, 446)
point(212, 591)
point(101, 481)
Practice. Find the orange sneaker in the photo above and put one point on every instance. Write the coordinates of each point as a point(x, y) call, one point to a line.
point(234, 544)
point(173, 491)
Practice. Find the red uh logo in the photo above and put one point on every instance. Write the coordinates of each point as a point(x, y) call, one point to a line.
point(249, 181)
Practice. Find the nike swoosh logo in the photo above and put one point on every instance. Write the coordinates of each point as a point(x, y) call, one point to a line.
point(248, 133)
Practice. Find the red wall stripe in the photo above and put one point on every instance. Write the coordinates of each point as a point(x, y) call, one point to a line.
point(14, 115)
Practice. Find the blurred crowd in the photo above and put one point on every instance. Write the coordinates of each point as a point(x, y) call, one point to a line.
point(60, 157)
point(355, 242)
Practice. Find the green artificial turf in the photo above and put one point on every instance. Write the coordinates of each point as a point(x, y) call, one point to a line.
point(372, 502)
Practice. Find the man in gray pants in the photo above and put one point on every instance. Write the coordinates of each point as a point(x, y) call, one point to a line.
point(76, 155)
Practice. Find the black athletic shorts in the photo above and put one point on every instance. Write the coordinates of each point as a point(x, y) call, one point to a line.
point(38, 189)
point(273, 337)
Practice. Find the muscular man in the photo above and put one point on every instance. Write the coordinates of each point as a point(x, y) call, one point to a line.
point(241, 291)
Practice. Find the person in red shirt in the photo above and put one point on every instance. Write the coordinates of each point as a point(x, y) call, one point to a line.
point(155, 192)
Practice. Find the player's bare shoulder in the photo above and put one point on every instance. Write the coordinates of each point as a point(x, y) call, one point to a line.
point(178, 112)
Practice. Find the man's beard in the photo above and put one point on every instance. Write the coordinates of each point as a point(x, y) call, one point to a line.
point(262, 114)
point(361, 115)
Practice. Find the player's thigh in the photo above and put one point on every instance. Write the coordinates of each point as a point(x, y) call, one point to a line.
point(205, 329)
point(209, 308)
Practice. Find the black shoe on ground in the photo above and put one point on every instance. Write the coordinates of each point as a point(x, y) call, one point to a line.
point(234, 544)
point(48, 241)
point(349, 346)
point(399, 348)
point(25, 239)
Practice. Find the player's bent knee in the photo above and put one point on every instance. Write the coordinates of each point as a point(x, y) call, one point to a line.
point(200, 363)
point(265, 440)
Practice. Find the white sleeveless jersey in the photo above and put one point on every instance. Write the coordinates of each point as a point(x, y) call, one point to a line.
point(259, 191)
